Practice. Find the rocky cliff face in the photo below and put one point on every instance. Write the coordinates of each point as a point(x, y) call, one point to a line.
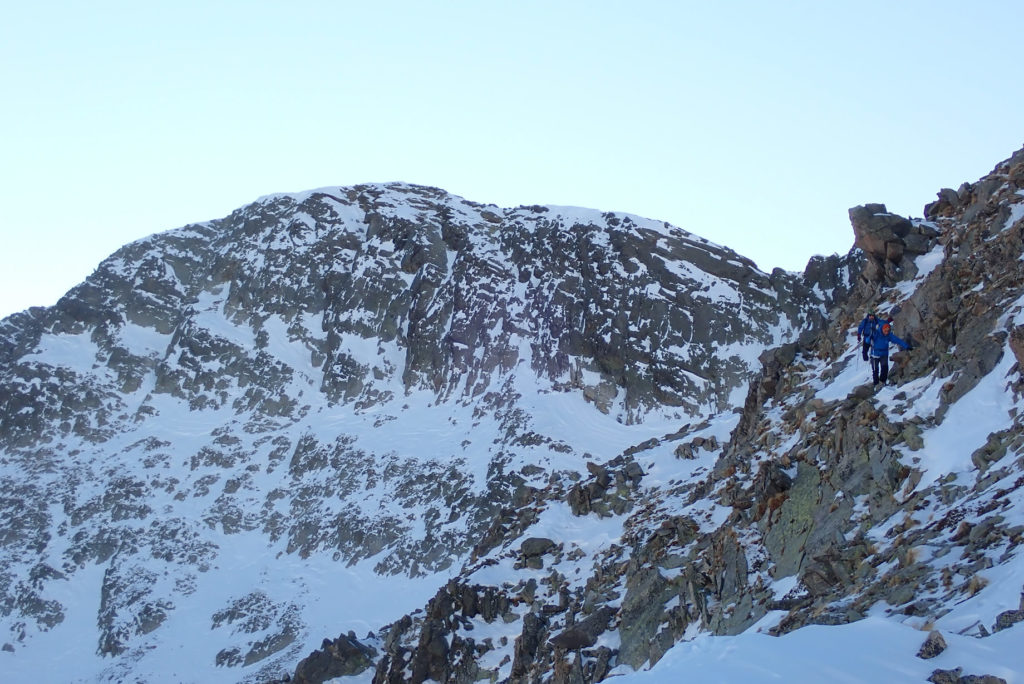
point(827, 502)
point(572, 439)
point(378, 376)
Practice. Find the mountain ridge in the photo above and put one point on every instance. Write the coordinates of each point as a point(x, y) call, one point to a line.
point(391, 380)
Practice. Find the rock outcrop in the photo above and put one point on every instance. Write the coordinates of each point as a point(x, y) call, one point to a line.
point(890, 242)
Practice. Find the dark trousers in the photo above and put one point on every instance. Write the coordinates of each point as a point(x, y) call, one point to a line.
point(879, 369)
point(864, 349)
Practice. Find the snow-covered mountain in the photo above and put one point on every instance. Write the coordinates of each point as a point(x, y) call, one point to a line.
point(523, 444)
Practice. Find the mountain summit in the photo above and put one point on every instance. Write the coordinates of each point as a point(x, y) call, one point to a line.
point(530, 444)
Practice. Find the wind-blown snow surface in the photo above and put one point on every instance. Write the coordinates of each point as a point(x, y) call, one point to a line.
point(869, 651)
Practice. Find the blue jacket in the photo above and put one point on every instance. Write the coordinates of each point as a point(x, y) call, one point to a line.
point(867, 328)
point(880, 343)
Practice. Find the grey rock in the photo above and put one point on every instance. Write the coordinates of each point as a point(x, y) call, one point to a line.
point(642, 613)
point(536, 546)
point(527, 645)
point(584, 634)
point(1007, 619)
point(1017, 345)
point(932, 646)
point(945, 676)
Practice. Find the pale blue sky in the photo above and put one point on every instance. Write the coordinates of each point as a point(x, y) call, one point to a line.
point(754, 124)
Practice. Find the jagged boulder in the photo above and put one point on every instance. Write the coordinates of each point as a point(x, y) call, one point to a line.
point(889, 241)
point(532, 550)
point(1017, 345)
point(879, 233)
point(341, 657)
point(528, 645)
point(584, 634)
point(932, 646)
point(955, 676)
point(1007, 619)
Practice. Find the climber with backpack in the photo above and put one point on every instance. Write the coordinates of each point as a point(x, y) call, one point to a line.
point(880, 342)
point(865, 331)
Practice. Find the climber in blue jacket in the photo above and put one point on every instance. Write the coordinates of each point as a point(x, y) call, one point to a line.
point(880, 342)
point(865, 330)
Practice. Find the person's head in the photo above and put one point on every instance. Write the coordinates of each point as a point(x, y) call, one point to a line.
point(871, 314)
point(886, 328)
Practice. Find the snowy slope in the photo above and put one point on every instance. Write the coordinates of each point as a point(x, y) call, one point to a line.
point(510, 443)
point(235, 435)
